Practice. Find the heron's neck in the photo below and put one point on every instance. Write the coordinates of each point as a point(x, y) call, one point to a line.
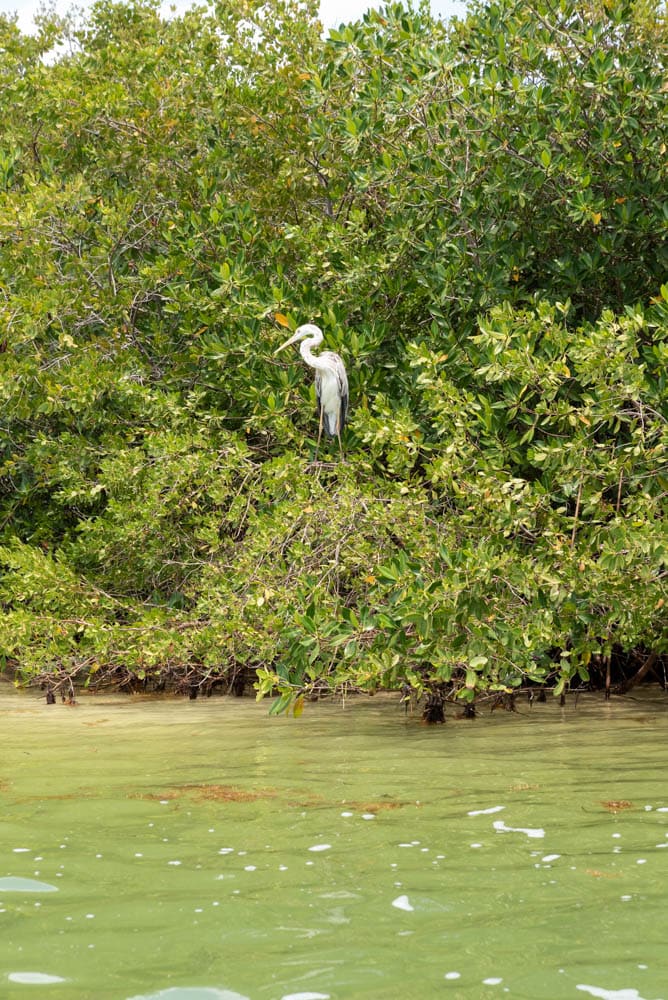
point(305, 349)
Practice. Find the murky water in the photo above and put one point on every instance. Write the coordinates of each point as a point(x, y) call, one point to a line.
point(204, 851)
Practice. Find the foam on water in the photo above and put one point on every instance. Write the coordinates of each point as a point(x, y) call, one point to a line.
point(34, 978)
point(501, 827)
point(15, 884)
point(191, 993)
point(306, 996)
point(603, 994)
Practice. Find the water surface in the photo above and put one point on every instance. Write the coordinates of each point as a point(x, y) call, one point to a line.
point(205, 851)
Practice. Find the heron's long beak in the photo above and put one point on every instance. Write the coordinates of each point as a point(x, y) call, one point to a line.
point(287, 343)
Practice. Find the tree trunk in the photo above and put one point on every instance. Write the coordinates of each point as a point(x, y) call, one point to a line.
point(638, 676)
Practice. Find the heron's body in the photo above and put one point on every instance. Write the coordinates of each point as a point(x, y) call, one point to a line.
point(331, 381)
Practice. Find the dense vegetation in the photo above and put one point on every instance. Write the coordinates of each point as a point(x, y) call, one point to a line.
point(474, 212)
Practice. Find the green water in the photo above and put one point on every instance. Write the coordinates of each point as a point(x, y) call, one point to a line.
point(204, 851)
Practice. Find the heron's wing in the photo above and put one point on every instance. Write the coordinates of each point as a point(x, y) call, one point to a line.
point(318, 393)
point(332, 372)
point(342, 380)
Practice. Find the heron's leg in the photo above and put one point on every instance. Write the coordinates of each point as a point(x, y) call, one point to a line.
point(338, 434)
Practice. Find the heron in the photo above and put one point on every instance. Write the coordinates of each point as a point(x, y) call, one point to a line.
point(331, 381)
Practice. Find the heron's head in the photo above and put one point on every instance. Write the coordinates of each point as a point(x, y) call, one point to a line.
point(306, 330)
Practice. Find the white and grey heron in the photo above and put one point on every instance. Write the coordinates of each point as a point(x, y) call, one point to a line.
point(331, 381)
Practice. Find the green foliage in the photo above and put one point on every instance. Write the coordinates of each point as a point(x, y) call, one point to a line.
point(475, 213)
